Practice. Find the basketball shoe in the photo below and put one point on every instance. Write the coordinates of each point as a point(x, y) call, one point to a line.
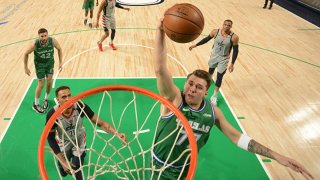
point(85, 22)
point(37, 108)
point(100, 46)
point(90, 25)
point(112, 46)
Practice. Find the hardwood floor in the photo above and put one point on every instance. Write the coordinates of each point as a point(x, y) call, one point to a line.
point(275, 84)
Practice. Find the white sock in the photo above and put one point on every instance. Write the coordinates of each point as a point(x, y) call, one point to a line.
point(90, 21)
point(46, 96)
point(36, 101)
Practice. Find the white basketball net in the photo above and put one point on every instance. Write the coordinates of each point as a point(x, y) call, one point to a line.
point(106, 156)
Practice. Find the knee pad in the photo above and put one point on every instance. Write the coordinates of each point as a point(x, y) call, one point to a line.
point(219, 79)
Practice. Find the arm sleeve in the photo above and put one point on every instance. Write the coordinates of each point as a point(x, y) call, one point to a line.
point(204, 40)
point(51, 137)
point(49, 114)
point(86, 110)
point(235, 53)
point(53, 143)
point(119, 6)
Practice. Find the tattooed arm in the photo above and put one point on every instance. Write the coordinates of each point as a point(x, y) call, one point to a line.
point(251, 145)
point(258, 148)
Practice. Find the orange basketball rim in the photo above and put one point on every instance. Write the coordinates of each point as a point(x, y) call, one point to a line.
point(165, 102)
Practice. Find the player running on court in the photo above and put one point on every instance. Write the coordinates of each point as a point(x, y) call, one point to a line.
point(108, 21)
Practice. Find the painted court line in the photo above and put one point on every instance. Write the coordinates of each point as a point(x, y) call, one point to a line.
point(141, 132)
point(4, 22)
point(85, 51)
point(101, 131)
point(134, 133)
point(15, 112)
point(244, 132)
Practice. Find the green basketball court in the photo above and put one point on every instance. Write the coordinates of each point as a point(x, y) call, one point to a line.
point(218, 159)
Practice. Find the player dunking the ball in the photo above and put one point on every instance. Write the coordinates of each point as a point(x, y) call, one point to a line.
point(108, 20)
point(200, 113)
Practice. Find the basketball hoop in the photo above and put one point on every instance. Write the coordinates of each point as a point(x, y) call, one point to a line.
point(116, 166)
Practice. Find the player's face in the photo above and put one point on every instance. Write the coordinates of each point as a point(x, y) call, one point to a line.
point(43, 37)
point(194, 90)
point(63, 96)
point(227, 25)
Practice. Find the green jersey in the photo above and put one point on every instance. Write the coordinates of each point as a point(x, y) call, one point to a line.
point(201, 121)
point(44, 53)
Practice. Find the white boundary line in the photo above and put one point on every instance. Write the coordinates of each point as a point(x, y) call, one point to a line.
point(73, 57)
point(140, 132)
point(244, 132)
point(14, 114)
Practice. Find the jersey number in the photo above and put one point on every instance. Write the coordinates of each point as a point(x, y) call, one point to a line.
point(72, 133)
point(184, 137)
point(46, 56)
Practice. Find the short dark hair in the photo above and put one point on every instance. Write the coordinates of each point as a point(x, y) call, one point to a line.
point(203, 75)
point(61, 88)
point(228, 20)
point(42, 30)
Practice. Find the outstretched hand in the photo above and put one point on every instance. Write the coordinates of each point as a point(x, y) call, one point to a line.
point(294, 165)
point(160, 24)
point(192, 46)
point(66, 168)
point(64, 163)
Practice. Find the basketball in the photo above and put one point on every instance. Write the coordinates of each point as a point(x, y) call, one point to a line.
point(183, 23)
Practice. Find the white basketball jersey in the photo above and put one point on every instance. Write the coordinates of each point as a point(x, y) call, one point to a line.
point(109, 9)
point(72, 125)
